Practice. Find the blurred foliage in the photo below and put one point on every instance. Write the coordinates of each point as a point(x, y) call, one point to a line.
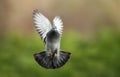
point(96, 57)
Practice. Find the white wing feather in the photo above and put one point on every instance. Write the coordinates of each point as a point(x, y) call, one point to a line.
point(42, 24)
point(57, 22)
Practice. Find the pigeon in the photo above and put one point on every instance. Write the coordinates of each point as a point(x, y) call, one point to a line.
point(52, 57)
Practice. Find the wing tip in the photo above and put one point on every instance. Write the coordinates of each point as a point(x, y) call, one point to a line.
point(35, 11)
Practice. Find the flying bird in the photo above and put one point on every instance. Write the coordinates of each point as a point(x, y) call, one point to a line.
point(52, 57)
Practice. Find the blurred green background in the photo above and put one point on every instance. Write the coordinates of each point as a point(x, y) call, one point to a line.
point(91, 33)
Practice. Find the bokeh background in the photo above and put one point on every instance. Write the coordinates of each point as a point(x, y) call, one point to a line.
point(91, 34)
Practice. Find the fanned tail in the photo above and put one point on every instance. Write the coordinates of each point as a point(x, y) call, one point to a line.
point(54, 62)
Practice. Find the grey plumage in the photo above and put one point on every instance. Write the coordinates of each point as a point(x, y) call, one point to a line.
point(51, 62)
point(52, 57)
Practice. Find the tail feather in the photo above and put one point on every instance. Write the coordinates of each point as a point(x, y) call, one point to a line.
point(52, 63)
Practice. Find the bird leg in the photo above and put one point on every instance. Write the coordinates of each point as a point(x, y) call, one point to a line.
point(49, 53)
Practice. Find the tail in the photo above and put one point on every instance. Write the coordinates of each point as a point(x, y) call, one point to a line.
point(52, 62)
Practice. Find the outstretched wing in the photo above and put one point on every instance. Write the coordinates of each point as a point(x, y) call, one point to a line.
point(42, 24)
point(57, 22)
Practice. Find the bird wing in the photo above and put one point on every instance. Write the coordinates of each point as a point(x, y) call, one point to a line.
point(42, 24)
point(57, 22)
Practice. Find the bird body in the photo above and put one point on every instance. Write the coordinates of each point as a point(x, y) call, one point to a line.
point(52, 57)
